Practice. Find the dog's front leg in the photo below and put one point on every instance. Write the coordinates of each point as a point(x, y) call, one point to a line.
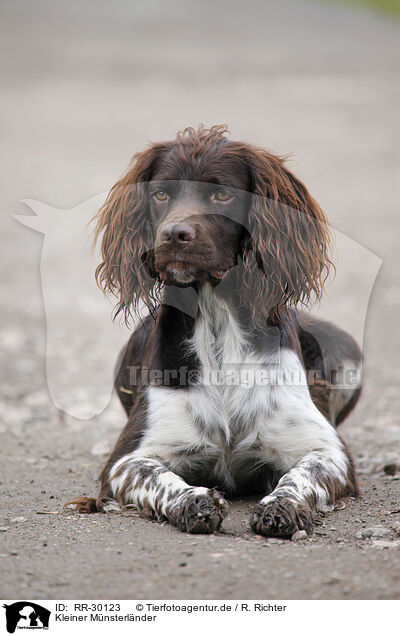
point(153, 488)
point(313, 484)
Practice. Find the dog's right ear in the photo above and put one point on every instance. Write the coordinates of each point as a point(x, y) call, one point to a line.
point(123, 223)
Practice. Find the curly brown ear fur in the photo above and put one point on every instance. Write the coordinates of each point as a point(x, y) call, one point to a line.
point(127, 236)
point(286, 257)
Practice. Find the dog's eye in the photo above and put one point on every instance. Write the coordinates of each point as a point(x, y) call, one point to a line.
point(160, 195)
point(222, 195)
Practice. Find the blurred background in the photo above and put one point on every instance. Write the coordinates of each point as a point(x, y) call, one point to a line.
point(87, 84)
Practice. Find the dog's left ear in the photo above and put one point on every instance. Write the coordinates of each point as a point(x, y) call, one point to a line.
point(286, 255)
point(126, 232)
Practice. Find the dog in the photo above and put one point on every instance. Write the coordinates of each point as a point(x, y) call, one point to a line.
point(225, 247)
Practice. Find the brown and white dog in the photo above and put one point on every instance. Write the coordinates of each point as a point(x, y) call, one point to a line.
point(227, 386)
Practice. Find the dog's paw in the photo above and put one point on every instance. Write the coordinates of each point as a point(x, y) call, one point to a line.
point(281, 518)
point(200, 513)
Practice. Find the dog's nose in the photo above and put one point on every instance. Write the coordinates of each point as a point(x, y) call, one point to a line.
point(179, 233)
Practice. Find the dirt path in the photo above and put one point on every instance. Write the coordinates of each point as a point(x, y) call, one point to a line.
point(83, 90)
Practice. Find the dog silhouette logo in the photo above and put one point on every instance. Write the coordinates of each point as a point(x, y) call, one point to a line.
point(26, 615)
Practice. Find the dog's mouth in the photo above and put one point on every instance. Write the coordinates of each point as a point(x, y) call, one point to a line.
point(177, 271)
point(181, 272)
point(217, 273)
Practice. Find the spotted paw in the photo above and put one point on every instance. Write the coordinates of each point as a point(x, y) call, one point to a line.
point(281, 517)
point(200, 513)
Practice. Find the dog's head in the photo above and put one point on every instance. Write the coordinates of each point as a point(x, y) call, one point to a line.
point(192, 209)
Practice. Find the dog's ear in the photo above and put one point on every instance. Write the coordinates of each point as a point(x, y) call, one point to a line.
point(125, 228)
point(286, 255)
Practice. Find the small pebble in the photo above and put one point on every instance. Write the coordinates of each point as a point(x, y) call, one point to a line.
point(377, 532)
point(299, 535)
point(333, 580)
point(391, 469)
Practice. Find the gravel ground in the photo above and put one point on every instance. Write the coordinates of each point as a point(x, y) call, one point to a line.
point(84, 86)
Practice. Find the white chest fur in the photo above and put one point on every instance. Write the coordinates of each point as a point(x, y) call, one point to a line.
point(245, 409)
